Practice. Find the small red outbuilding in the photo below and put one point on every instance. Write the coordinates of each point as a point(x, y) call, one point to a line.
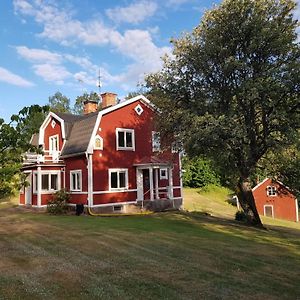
point(274, 199)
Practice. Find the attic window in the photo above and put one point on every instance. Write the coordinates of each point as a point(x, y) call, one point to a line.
point(53, 123)
point(138, 109)
point(271, 190)
point(98, 145)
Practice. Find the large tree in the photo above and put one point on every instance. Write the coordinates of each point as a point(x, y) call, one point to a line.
point(14, 142)
point(230, 90)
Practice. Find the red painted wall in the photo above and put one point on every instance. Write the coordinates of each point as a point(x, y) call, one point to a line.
point(283, 203)
point(49, 131)
point(143, 125)
point(77, 163)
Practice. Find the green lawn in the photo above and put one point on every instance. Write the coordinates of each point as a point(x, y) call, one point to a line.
point(166, 255)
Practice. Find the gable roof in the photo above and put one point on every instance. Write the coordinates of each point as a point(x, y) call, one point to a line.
point(79, 130)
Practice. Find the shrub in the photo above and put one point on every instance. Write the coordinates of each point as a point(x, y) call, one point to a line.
point(58, 205)
point(199, 173)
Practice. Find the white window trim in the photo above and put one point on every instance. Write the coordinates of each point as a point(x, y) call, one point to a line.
point(138, 109)
point(71, 180)
point(268, 205)
point(133, 139)
point(126, 179)
point(153, 148)
point(51, 151)
point(101, 139)
point(160, 173)
point(271, 186)
point(50, 191)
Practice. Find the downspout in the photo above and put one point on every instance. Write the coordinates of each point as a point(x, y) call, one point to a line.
point(90, 179)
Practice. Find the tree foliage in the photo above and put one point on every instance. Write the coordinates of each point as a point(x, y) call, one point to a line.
point(59, 103)
point(231, 88)
point(198, 172)
point(78, 106)
point(14, 142)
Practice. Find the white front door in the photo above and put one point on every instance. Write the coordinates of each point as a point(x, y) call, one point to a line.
point(28, 190)
point(139, 184)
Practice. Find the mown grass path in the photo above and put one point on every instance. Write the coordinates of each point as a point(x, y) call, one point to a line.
point(162, 256)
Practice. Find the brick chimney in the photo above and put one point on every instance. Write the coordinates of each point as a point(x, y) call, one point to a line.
point(89, 106)
point(108, 99)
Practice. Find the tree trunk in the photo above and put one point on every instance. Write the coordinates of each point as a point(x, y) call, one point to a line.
point(247, 202)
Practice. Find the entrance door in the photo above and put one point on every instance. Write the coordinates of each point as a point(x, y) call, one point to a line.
point(269, 211)
point(28, 194)
point(146, 184)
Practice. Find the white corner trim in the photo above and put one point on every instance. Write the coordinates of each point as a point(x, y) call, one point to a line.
point(297, 210)
point(45, 124)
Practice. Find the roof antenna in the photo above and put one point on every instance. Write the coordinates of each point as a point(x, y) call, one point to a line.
point(99, 84)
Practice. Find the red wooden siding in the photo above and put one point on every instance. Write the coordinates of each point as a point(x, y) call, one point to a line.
point(284, 205)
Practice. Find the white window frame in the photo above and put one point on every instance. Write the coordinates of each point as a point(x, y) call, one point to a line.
point(138, 109)
point(160, 173)
point(110, 171)
point(273, 188)
point(101, 142)
point(49, 173)
point(268, 205)
point(79, 173)
point(125, 130)
point(155, 144)
point(51, 150)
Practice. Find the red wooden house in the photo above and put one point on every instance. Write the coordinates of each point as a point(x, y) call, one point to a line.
point(274, 199)
point(110, 159)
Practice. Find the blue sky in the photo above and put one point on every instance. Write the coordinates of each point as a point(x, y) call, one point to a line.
point(59, 45)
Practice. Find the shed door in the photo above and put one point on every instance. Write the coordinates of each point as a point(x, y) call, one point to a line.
point(269, 211)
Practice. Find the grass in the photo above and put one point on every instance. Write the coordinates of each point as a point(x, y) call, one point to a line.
point(167, 255)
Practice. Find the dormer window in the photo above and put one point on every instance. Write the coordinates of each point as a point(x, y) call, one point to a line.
point(53, 144)
point(271, 191)
point(98, 145)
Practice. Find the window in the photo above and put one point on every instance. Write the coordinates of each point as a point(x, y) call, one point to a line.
point(138, 109)
point(268, 211)
point(98, 143)
point(271, 190)
point(118, 179)
point(53, 144)
point(53, 123)
point(163, 173)
point(155, 141)
point(75, 180)
point(50, 182)
point(125, 139)
point(118, 208)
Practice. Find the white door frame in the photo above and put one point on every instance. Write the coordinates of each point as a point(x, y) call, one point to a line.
point(28, 189)
point(268, 205)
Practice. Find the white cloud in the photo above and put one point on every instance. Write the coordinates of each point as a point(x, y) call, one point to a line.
point(14, 79)
point(53, 73)
point(61, 26)
point(134, 13)
point(39, 55)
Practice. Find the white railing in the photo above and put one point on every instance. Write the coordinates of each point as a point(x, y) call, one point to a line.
point(31, 158)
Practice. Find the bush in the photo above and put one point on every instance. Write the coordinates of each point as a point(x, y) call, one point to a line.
point(199, 173)
point(58, 205)
point(240, 216)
